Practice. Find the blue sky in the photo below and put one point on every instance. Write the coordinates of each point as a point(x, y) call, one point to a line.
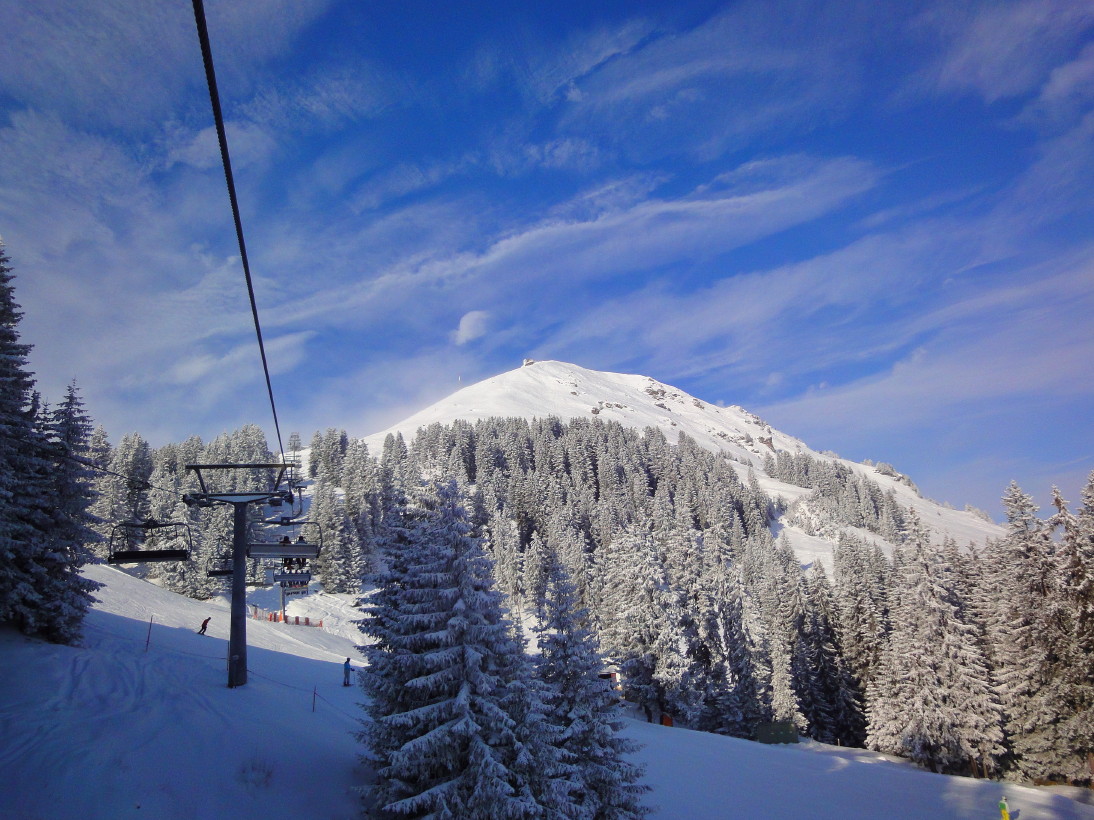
point(870, 223)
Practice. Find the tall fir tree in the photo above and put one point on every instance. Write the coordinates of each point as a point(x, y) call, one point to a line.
point(932, 700)
point(636, 615)
point(734, 704)
point(1030, 643)
point(440, 677)
point(45, 492)
point(70, 491)
point(835, 710)
point(581, 704)
point(1075, 657)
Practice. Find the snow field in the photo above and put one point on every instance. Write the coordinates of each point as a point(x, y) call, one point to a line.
point(109, 730)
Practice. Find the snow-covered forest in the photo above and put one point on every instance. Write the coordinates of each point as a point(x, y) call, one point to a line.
point(965, 660)
point(506, 566)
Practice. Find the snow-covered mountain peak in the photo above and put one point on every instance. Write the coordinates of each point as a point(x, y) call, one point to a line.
point(541, 389)
point(550, 388)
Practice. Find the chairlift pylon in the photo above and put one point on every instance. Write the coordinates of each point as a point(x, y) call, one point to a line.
point(146, 532)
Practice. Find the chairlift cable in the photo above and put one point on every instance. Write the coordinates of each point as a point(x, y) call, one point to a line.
point(214, 98)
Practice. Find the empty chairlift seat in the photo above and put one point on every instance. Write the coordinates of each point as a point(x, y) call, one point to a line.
point(134, 542)
point(220, 566)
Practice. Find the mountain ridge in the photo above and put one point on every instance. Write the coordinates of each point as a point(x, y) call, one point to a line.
point(541, 389)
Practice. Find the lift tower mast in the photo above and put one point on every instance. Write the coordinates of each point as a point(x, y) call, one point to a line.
point(237, 641)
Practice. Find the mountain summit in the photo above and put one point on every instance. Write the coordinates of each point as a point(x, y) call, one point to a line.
point(567, 391)
point(541, 389)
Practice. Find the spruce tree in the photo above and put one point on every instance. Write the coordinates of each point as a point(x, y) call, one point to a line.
point(734, 703)
point(441, 675)
point(45, 493)
point(1075, 656)
point(635, 612)
point(1030, 643)
point(69, 490)
point(835, 711)
point(581, 704)
point(932, 699)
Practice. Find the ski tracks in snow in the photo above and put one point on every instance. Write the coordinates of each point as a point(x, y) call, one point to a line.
point(110, 696)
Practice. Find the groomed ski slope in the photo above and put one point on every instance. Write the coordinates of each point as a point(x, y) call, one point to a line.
point(109, 730)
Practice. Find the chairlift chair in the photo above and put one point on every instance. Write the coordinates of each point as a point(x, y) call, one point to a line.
point(220, 566)
point(303, 546)
point(282, 575)
point(149, 533)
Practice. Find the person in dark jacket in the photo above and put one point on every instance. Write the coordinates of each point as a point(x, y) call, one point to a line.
point(346, 670)
point(204, 624)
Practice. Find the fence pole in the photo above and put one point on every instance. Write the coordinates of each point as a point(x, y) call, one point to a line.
point(313, 698)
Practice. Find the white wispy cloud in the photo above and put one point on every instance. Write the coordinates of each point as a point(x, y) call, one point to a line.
point(1067, 93)
point(761, 199)
point(57, 57)
point(214, 371)
point(780, 63)
point(405, 178)
point(554, 72)
point(1001, 50)
point(325, 98)
point(248, 145)
point(983, 353)
point(797, 319)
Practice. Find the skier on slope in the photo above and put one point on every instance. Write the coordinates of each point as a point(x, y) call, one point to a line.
point(204, 624)
point(1004, 810)
point(346, 670)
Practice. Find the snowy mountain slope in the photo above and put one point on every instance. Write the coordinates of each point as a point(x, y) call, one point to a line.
point(549, 388)
point(111, 730)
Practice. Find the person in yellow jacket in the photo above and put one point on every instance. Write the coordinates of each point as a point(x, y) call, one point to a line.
point(1004, 810)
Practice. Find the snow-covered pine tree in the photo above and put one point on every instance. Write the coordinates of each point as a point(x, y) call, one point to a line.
point(121, 492)
point(165, 504)
point(361, 483)
point(734, 704)
point(191, 577)
point(315, 454)
point(1076, 567)
point(503, 541)
point(534, 564)
point(99, 454)
point(69, 490)
point(582, 705)
point(541, 773)
point(861, 589)
point(778, 589)
point(341, 564)
point(44, 494)
point(840, 718)
point(634, 611)
point(439, 677)
point(1074, 644)
point(1030, 643)
point(932, 699)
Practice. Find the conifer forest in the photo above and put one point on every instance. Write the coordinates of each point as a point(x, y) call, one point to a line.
point(517, 576)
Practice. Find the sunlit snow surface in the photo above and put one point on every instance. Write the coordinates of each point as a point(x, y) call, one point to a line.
point(111, 730)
